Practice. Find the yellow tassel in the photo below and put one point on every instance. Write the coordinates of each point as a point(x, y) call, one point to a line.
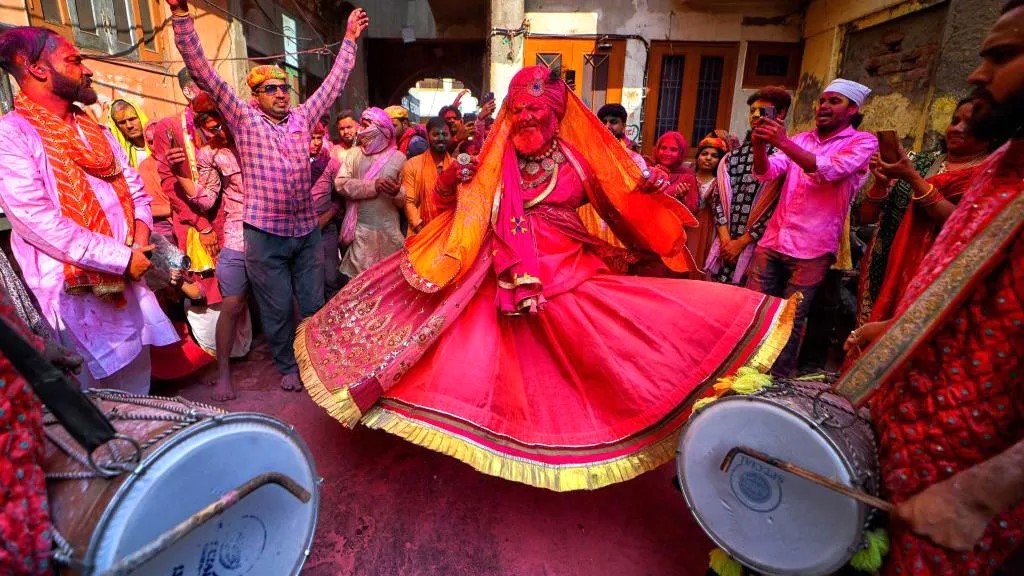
point(723, 385)
point(869, 558)
point(702, 403)
point(750, 382)
point(723, 564)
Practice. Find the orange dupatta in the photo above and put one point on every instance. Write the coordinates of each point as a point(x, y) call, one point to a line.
point(71, 159)
point(442, 251)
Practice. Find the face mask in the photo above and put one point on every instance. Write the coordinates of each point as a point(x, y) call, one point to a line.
point(371, 140)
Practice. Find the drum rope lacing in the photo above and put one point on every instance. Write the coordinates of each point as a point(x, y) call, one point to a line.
point(186, 416)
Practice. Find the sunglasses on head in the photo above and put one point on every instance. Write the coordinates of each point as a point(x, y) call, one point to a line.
point(274, 88)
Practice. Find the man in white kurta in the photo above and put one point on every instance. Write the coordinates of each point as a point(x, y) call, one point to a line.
point(113, 339)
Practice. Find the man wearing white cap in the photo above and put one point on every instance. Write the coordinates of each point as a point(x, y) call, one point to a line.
point(823, 168)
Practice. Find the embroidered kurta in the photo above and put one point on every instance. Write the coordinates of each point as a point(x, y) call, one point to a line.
point(109, 338)
point(958, 399)
point(25, 541)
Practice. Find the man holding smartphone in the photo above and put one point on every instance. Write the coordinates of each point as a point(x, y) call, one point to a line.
point(823, 168)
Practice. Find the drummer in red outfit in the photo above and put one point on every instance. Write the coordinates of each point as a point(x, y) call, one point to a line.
point(950, 420)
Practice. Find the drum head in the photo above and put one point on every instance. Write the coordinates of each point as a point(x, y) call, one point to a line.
point(769, 520)
point(267, 532)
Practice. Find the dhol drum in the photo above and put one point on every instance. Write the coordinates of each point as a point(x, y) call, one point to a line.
point(184, 489)
point(770, 520)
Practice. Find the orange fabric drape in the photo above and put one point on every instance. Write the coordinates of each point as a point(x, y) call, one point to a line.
point(446, 246)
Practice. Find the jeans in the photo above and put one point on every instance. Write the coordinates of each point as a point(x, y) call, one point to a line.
point(329, 247)
point(284, 271)
point(780, 275)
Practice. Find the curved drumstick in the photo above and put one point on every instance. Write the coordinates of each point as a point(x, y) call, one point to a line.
point(806, 474)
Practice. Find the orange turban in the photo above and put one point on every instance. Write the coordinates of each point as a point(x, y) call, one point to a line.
point(261, 74)
point(539, 83)
point(397, 113)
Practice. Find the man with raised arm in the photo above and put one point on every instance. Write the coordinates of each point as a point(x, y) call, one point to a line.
point(282, 239)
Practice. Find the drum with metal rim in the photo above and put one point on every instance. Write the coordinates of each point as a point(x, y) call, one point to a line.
point(185, 489)
point(767, 519)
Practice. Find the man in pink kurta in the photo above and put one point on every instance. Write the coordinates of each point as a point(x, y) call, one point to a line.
point(112, 336)
point(822, 168)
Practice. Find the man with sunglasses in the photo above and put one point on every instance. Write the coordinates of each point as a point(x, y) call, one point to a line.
point(282, 239)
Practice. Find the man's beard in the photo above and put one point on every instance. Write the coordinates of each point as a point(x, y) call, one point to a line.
point(72, 91)
point(531, 140)
point(993, 121)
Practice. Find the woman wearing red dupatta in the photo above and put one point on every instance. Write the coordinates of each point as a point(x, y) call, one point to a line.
point(922, 203)
point(503, 336)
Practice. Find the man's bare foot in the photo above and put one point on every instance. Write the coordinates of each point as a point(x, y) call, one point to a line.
point(291, 382)
point(223, 390)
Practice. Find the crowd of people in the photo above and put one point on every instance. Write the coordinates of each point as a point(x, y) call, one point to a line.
point(529, 294)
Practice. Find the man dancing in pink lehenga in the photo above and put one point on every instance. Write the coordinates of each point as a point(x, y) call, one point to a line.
point(506, 336)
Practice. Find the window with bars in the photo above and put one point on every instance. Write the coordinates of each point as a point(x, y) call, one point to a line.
point(670, 95)
point(120, 27)
point(595, 80)
point(552, 60)
point(709, 90)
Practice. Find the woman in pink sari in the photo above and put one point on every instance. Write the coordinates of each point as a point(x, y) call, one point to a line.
point(670, 156)
point(504, 335)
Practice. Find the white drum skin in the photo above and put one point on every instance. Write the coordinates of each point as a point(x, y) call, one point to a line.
point(769, 520)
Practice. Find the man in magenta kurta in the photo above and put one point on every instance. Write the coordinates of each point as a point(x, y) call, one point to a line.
point(823, 169)
point(80, 214)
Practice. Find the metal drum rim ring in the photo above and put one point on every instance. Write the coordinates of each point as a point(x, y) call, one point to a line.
point(700, 520)
point(191, 430)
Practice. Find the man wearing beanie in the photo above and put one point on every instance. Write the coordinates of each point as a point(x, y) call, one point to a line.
point(823, 168)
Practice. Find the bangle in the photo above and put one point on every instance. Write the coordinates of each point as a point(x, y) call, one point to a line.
point(183, 14)
point(935, 199)
point(207, 231)
point(931, 190)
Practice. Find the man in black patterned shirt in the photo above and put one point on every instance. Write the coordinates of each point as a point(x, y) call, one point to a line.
point(741, 195)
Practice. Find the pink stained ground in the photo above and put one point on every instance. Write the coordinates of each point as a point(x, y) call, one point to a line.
point(390, 508)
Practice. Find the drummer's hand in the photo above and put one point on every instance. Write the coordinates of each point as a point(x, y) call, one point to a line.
point(63, 358)
point(944, 514)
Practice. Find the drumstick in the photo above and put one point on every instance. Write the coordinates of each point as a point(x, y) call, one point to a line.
point(806, 474)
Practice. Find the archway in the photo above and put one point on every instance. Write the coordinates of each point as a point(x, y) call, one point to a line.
point(394, 67)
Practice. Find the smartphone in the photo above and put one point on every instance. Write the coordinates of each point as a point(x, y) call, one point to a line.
point(767, 112)
point(489, 97)
point(170, 139)
point(888, 146)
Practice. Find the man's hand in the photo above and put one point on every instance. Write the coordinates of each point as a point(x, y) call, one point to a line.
point(945, 515)
point(732, 249)
point(656, 181)
point(64, 358)
point(178, 6)
point(175, 156)
point(771, 131)
point(209, 241)
point(357, 22)
point(326, 218)
point(139, 263)
point(386, 186)
point(458, 173)
point(487, 109)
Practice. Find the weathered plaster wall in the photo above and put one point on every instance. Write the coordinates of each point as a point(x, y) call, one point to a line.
point(917, 63)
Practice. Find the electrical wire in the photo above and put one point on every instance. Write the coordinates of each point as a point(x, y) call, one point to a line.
point(253, 24)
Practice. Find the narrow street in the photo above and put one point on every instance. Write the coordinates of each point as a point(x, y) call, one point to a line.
point(390, 508)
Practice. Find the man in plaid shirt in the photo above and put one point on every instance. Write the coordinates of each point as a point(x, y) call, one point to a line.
point(282, 255)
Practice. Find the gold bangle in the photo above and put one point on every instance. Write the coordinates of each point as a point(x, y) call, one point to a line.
point(931, 190)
